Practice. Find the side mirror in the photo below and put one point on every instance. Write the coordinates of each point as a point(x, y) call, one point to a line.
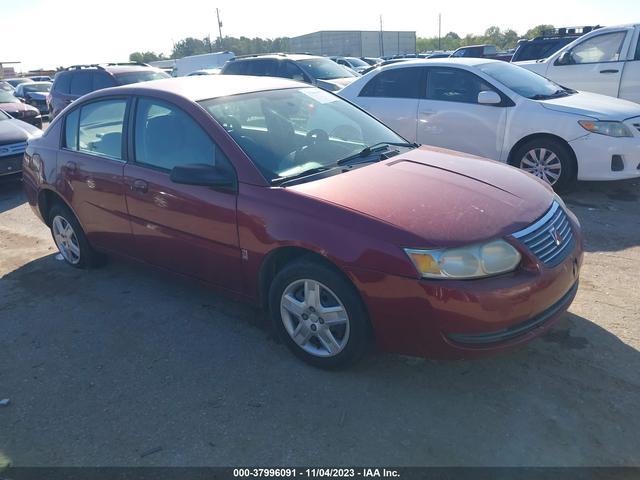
point(489, 97)
point(565, 58)
point(204, 175)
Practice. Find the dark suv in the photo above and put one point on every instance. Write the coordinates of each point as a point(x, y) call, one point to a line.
point(548, 43)
point(319, 71)
point(78, 80)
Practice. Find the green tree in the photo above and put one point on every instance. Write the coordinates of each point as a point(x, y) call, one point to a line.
point(145, 57)
point(537, 31)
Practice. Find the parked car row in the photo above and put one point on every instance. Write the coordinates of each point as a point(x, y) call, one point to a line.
point(500, 111)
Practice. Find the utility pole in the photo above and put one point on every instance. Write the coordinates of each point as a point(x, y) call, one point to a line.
point(439, 30)
point(381, 38)
point(219, 28)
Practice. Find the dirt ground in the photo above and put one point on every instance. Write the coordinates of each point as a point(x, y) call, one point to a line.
point(128, 366)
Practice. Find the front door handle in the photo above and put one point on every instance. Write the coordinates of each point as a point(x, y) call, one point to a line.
point(609, 71)
point(140, 186)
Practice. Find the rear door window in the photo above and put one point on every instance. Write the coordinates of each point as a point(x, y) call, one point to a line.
point(101, 128)
point(81, 83)
point(102, 80)
point(236, 68)
point(62, 83)
point(396, 83)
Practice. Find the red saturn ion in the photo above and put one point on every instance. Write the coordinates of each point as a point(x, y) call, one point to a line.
point(289, 197)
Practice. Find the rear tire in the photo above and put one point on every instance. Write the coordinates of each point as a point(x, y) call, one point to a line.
point(71, 240)
point(318, 314)
point(547, 159)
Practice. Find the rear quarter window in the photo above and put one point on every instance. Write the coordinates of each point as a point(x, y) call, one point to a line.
point(62, 83)
point(236, 68)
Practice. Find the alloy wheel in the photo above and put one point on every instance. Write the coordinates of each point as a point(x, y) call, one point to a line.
point(66, 239)
point(543, 163)
point(315, 318)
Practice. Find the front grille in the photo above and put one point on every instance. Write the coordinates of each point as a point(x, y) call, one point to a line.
point(551, 238)
point(12, 149)
point(10, 165)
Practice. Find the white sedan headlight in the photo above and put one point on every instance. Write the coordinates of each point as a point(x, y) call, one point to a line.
point(474, 261)
point(610, 129)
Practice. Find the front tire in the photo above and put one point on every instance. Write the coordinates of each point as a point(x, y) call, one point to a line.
point(318, 314)
point(547, 159)
point(71, 240)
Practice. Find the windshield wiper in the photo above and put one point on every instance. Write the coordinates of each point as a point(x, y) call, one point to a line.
point(304, 173)
point(380, 146)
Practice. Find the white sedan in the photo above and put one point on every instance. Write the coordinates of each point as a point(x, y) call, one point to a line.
point(500, 111)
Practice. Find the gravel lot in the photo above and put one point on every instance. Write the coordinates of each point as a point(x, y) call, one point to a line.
point(130, 366)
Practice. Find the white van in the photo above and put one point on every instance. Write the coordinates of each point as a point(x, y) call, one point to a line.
point(186, 65)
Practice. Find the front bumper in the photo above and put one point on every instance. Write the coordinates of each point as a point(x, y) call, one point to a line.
point(465, 319)
point(594, 154)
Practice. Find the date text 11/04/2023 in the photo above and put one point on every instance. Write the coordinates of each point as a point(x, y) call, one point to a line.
point(316, 472)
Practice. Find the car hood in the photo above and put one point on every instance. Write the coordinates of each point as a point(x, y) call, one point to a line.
point(593, 105)
point(335, 84)
point(441, 197)
point(16, 131)
point(37, 95)
point(16, 107)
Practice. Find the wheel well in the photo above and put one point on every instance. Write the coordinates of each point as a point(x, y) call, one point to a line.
point(548, 136)
point(46, 200)
point(280, 258)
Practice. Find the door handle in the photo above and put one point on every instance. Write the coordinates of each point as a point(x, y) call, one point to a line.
point(427, 112)
point(609, 71)
point(71, 166)
point(140, 186)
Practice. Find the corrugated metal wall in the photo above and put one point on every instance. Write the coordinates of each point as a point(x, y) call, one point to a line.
point(354, 43)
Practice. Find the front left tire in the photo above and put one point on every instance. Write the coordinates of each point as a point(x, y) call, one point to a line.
point(318, 314)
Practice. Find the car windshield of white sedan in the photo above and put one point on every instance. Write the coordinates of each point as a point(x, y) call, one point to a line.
point(325, 69)
point(523, 81)
point(291, 131)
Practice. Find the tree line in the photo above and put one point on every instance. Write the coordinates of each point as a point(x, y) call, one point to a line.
point(503, 39)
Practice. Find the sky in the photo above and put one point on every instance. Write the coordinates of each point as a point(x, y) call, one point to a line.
point(50, 33)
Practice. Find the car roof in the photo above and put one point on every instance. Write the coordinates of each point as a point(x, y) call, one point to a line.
point(204, 87)
point(280, 56)
point(468, 62)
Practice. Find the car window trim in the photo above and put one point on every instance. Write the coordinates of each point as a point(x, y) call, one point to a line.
point(506, 100)
point(125, 120)
point(131, 148)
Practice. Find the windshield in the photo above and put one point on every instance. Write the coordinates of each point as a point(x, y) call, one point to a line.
point(286, 132)
point(324, 69)
point(523, 81)
point(7, 97)
point(137, 77)
point(4, 116)
point(356, 62)
point(37, 87)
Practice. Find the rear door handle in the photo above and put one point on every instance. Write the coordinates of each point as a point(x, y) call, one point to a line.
point(427, 112)
point(609, 71)
point(72, 166)
point(140, 186)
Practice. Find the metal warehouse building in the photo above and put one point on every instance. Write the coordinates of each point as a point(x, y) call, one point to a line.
point(355, 43)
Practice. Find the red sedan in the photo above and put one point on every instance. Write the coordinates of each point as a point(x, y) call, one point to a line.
point(286, 196)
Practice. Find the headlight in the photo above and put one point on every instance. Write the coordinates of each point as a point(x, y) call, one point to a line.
point(611, 129)
point(30, 113)
point(474, 261)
